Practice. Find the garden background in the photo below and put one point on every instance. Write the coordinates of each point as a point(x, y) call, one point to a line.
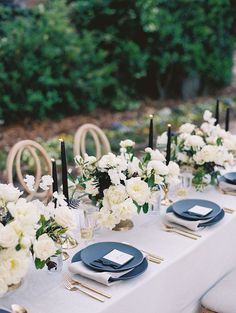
point(111, 62)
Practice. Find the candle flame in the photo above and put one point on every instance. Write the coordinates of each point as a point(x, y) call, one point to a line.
point(61, 140)
point(53, 160)
point(169, 125)
point(151, 116)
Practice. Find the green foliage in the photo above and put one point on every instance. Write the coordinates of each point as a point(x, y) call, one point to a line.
point(76, 55)
point(47, 68)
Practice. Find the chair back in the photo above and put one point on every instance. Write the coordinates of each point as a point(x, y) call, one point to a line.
point(36, 153)
point(101, 142)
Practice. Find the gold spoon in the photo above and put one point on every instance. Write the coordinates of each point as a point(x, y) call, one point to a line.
point(17, 308)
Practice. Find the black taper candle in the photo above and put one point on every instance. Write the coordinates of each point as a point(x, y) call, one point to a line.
point(54, 176)
point(64, 171)
point(217, 115)
point(168, 146)
point(150, 143)
point(227, 119)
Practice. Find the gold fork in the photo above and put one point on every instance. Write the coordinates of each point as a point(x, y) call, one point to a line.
point(228, 210)
point(70, 287)
point(179, 233)
point(183, 230)
point(77, 282)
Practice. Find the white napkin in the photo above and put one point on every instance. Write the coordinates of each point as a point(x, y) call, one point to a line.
point(101, 277)
point(227, 187)
point(193, 225)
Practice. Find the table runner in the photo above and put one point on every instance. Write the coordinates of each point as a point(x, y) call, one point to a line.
point(190, 268)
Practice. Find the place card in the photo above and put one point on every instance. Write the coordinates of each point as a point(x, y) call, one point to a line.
point(200, 210)
point(118, 257)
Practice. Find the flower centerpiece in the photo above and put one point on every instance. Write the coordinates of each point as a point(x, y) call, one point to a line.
point(205, 150)
point(121, 185)
point(28, 228)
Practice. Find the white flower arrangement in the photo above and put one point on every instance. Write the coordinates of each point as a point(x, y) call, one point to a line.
point(29, 228)
point(204, 149)
point(122, 185)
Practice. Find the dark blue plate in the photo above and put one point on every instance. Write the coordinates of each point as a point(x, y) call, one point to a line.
point(98, 250)
point(230, 178)
point(181, 207)
point(213, 221)
point(4, 311)
point(138, 270)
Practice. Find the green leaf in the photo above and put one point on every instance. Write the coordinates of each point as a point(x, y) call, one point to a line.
point(145, 208)
point(39, 264)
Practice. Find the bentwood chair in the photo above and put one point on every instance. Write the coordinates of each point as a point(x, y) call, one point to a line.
point(101, 142)
point(221, 298)
point(40, 164)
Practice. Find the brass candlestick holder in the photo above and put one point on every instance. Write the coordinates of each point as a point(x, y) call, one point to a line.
point(166, 201)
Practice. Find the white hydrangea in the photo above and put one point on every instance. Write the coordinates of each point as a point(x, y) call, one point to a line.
point(125, 210)
point(114, 195)
point(107, 219)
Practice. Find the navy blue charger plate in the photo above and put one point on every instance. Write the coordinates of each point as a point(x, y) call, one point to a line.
point(138, 270)
point(230, 178)
point(213, 221)
point(98, 250)
point(4, 311)
point(181, 208)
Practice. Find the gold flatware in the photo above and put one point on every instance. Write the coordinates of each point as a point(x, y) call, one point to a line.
point(179, 233)
point(154, 256)
point(183, 230)
point(228, 210)
point(77, 282)
point(17, 308)
point(153, 260)
point(70, 287)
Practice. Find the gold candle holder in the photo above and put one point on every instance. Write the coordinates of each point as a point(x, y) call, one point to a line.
point(166, 201)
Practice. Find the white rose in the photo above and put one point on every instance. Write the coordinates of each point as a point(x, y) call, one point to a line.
point(159, 167)
point(182, 157)
point(65, 217)
point(194, 141)
point(156, 155)
point(127, 143)
point(115, 194)
point(107, 161)
point(26, 213)
point(187, 128)
point(162, 139)
point(133, 167)
point(8, 193)
point(91, 187)
point(44, 247)
point(138, 190)
point(8, 236)
point(3, 286)
point(207, 115)
point(173, 169)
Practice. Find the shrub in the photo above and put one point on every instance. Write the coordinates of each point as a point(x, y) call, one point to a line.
point(47, 68)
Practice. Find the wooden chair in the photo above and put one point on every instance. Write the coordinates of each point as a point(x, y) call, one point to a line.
point(39, 155)
point(102, 144)
point(221, 298)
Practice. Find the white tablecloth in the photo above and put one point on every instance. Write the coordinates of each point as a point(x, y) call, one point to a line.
point(190, 268)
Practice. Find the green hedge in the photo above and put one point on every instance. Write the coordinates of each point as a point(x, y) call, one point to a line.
point(74, 56)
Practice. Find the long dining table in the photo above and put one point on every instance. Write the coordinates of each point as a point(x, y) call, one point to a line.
point(189, 269)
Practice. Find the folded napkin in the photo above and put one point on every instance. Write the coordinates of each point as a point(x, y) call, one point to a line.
point(101, 277)
point(227, 187)
point(193, 225)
